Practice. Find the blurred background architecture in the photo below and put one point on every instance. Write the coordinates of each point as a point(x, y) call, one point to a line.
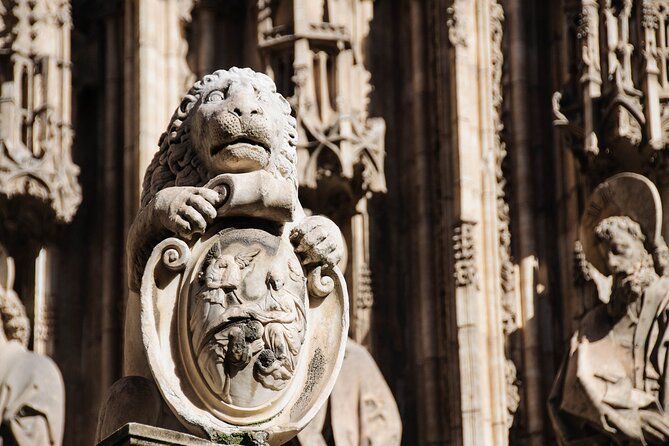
point(455, 142)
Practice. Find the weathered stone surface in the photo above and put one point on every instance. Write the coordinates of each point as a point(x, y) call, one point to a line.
point(135, 434)
point(361, 410)
point(613, 383)
point(244, 314)
point(121, 407)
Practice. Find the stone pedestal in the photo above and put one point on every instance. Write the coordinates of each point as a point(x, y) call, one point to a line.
point(135, 434)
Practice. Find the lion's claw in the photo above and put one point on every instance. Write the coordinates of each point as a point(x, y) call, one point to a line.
point(318, 241)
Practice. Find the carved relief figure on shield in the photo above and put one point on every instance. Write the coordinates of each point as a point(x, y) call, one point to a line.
point(243, 312)
point(613, 385)
point(270, 319)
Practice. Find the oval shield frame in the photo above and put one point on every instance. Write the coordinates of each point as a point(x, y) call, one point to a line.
point(167, 284)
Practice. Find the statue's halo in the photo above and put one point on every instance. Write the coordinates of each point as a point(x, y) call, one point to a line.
point(628, 194)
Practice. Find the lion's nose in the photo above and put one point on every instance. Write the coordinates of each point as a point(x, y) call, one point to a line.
point(247, 109)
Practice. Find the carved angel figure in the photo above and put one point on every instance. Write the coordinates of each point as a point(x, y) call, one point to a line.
point(613, 386)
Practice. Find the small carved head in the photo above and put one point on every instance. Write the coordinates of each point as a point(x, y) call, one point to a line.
point(622, 246)
point(239, 351)
point(225, 270)
point(13, 319)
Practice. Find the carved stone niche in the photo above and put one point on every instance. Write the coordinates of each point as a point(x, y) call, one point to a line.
point(38, 180)
point(244, 314)
point(613, 109)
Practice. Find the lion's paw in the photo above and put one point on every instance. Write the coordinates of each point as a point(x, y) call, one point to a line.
point(318, 241)
point(186, 211)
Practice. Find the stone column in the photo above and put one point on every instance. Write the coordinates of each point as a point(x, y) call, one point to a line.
point(486, 292)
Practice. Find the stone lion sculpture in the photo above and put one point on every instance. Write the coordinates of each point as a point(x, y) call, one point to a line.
point(220, 211)
point(206, 138)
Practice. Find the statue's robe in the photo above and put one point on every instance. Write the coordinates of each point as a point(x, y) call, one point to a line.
point(614, 369)
point(361, 409)
point(32, 398)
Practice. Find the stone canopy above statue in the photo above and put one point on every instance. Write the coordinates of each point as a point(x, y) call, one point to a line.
point(38, 179)
point(244, 313)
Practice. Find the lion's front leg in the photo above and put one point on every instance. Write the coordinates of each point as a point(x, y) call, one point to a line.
point(181, 211)
point(318, 241)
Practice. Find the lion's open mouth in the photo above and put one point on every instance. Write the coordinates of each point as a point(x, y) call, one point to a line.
point(243, 140)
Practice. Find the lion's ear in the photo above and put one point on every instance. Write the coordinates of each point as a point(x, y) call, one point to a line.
point(244, 259)
point(285, 105)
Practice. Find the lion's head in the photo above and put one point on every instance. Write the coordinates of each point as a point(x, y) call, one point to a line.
point(230, 121)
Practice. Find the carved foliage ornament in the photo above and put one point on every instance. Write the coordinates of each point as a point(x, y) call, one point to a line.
point(457, 34)
point(507, 273)
point(464, 248)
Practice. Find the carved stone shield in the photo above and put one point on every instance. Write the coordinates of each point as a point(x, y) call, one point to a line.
point(237, 344)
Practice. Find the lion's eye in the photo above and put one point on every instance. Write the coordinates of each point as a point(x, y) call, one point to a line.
point(215, 96)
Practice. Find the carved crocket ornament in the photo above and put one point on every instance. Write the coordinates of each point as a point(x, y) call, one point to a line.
point(243, 313)
point(613, 387)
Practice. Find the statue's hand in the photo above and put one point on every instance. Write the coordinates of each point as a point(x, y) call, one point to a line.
point(318, 241)
point(186, 210)
point(655, 427)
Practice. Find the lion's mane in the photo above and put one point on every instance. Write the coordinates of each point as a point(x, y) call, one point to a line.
point(177, 162)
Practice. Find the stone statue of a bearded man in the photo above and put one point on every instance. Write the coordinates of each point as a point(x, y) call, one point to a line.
point(612, 387)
